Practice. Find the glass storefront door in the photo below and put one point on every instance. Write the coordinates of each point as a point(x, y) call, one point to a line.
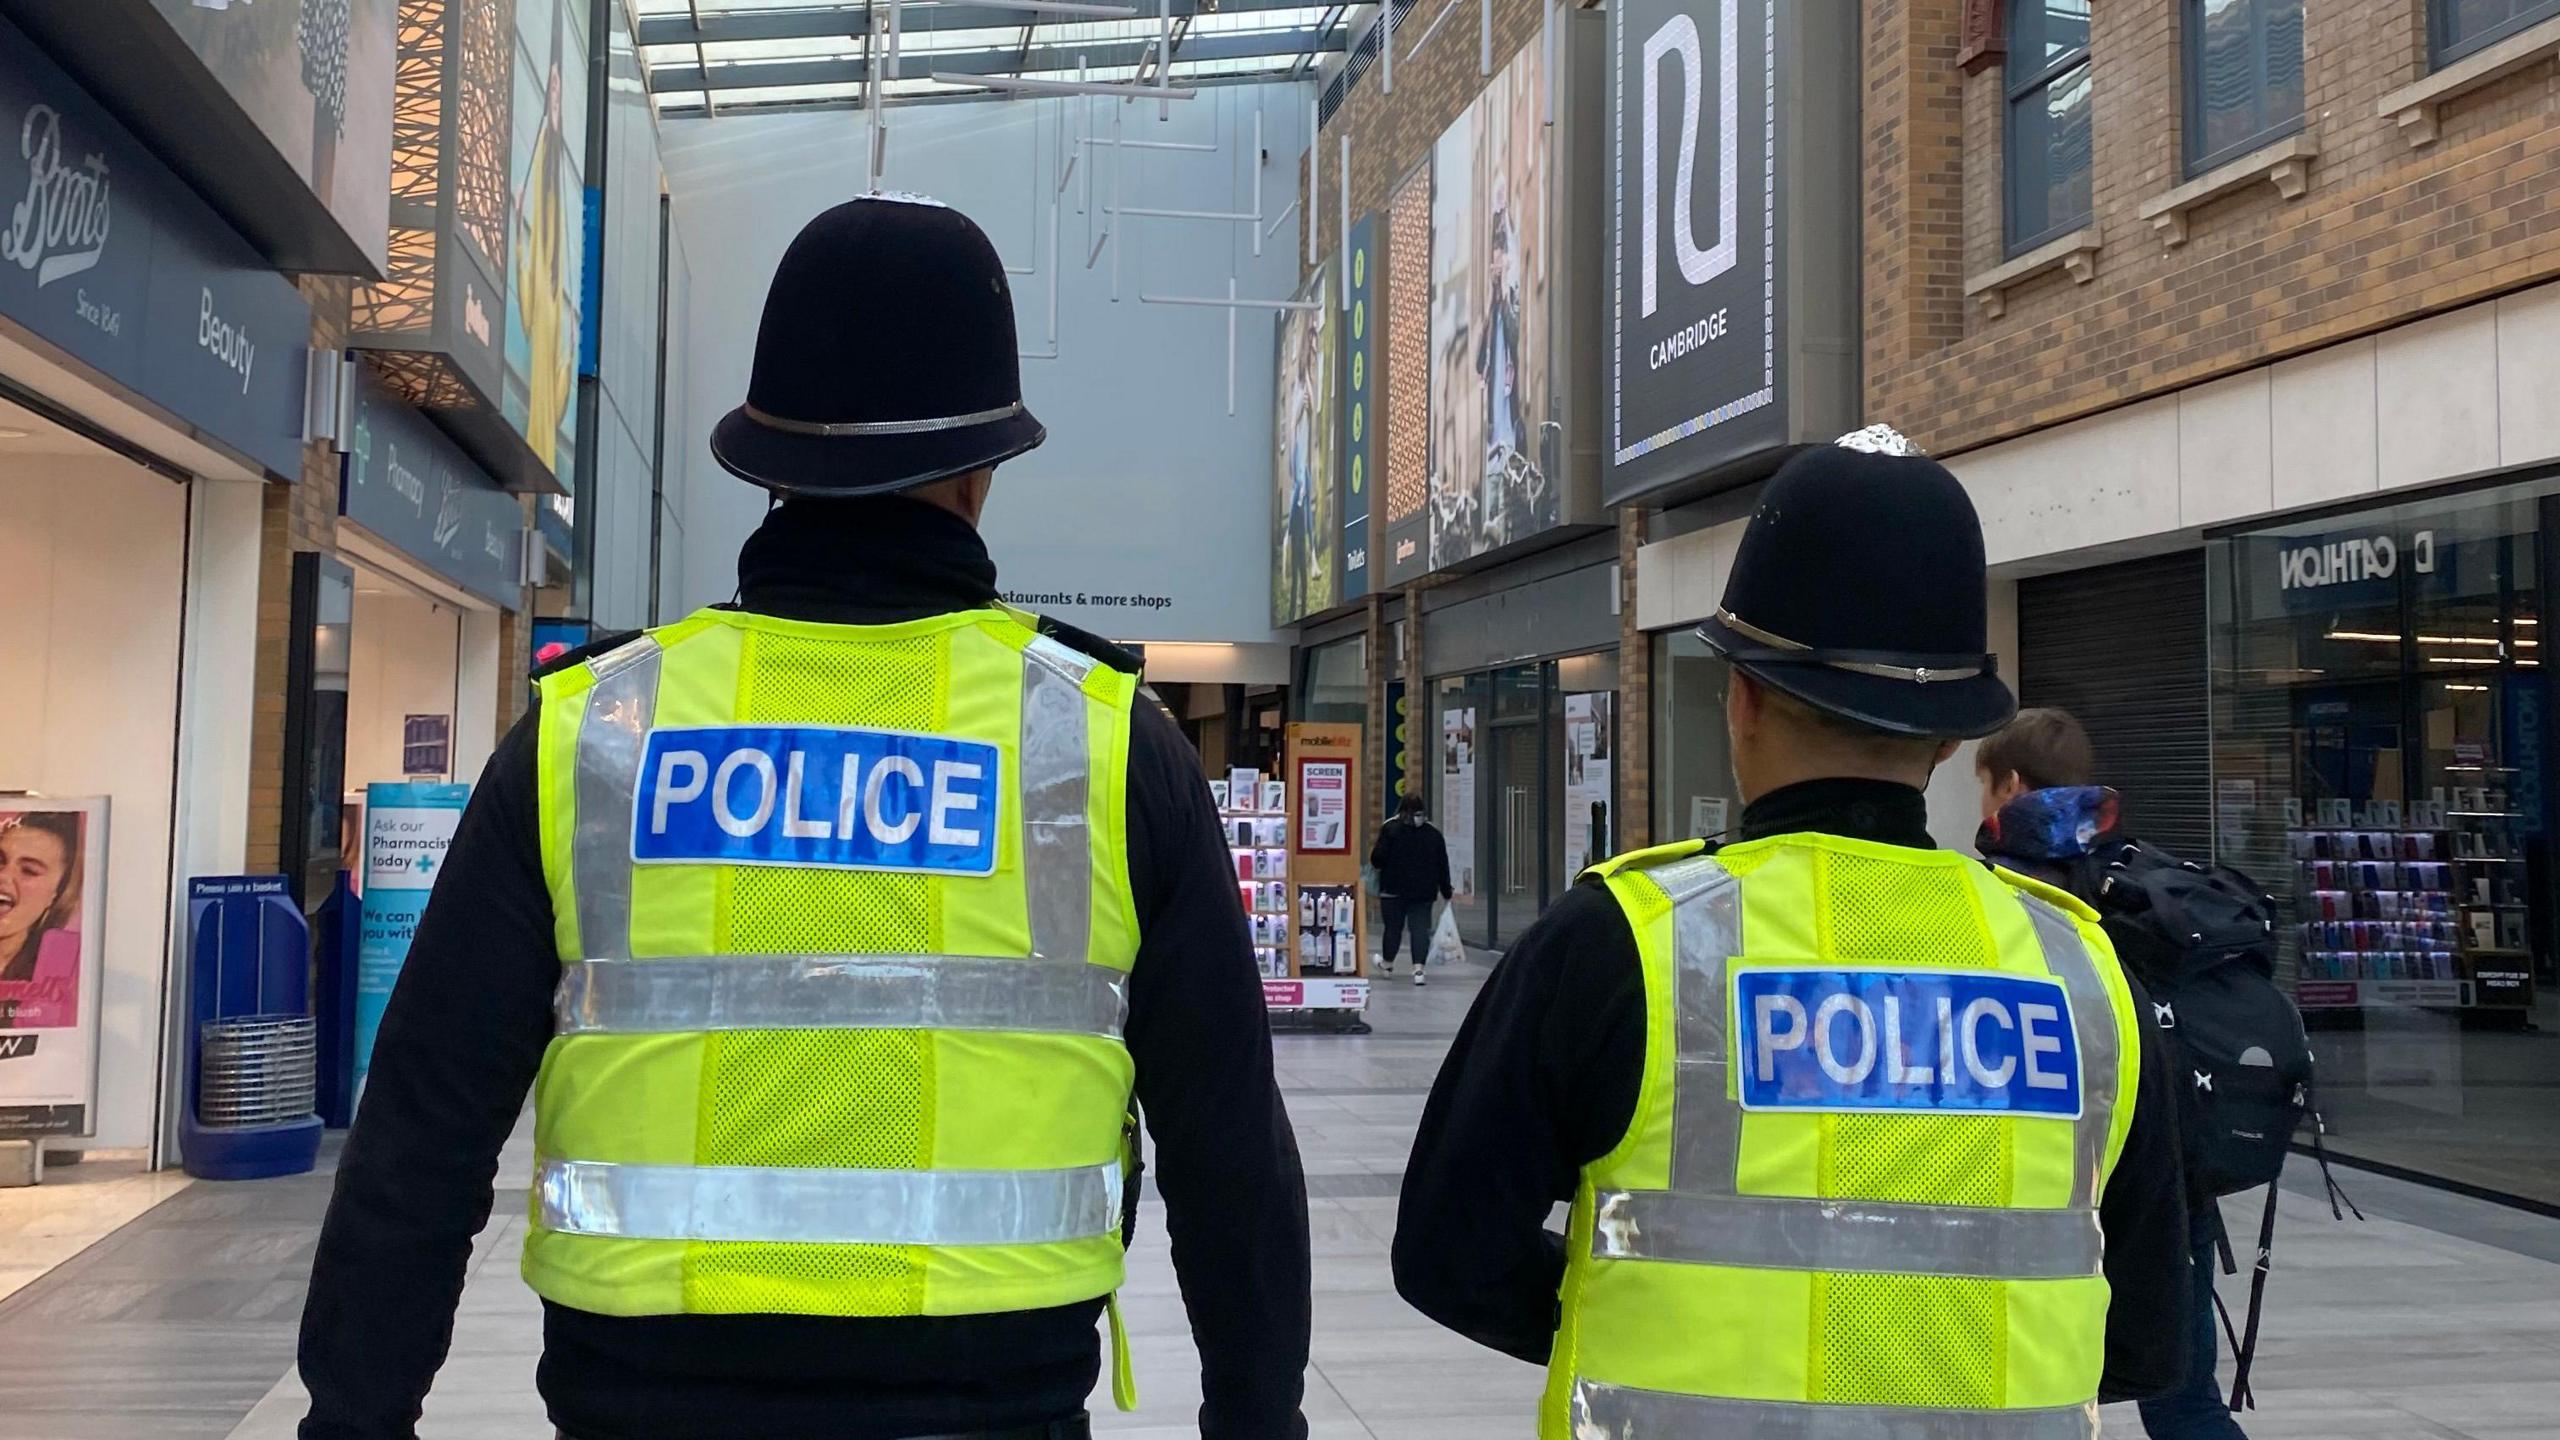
point(1524, 793)
point(2380, 748)
point(1463, 712)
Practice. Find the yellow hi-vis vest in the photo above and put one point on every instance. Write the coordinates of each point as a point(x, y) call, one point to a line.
point(1883, 1089)
point(845, 928)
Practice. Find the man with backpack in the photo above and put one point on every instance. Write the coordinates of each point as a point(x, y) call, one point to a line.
point(2199, 941)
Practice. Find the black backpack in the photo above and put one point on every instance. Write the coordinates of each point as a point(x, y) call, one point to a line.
point(2201, 939)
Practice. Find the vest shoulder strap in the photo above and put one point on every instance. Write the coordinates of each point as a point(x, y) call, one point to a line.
point(1083, 642)
point(1648, 859)
point(2054, 895)
point(601, 645)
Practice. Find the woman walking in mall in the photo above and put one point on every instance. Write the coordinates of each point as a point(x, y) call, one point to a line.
point(1412, 861)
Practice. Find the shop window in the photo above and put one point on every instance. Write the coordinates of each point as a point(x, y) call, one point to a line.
point(2381, 742)
point(2459, 27)
point(2244, 77)
point(1692, 761)
point(1334, 682)
point(2049, 142)
point(1462, 714)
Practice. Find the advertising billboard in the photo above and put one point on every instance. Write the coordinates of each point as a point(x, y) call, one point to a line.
point(53, 882)
point(1359, 448)
point(1406, 515)
point(1491, 341)
point(478, 317)
point(315, 78)
point(546, 217)
point(1305, 536)
point(1717, 352)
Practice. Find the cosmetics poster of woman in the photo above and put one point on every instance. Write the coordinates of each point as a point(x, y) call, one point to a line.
point(52, 918)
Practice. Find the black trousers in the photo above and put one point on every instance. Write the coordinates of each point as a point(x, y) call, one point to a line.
point(1408, 917)
point(1078, 1427)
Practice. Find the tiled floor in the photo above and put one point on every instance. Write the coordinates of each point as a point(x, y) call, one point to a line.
point(77, 1206)
point(2439, 1319)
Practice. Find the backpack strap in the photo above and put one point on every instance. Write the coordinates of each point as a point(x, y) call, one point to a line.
point(2244, 1349)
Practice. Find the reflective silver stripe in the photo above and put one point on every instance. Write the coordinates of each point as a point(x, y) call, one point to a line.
point(828, 1207)
point(1618, 1412)
point(924, 426)
point(620, 708)
point(1057, 843)
point(1706, 932)
point(1859, 1236)
point(2093, 1020)
point(809, 992)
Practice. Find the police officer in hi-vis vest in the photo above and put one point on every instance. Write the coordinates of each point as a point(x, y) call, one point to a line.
point(1863, 1140)
point(837, 933)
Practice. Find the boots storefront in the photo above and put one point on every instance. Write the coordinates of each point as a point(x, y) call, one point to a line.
point(2381, 754)
point(151, 388)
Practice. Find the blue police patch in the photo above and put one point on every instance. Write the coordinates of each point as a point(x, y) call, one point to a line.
point(817, 795)
point(1960, 1041)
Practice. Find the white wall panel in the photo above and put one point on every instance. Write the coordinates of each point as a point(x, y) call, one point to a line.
point(2225, 450)
point(95, 552)
point(1147, 485)
point(2438, 379)
point(2323, 420)
point(2454, 396)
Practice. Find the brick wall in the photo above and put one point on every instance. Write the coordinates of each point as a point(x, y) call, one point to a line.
point(1390, 136)
point(1635, 697)
point(515, 648)
point(295, 518)
point(2386, 232)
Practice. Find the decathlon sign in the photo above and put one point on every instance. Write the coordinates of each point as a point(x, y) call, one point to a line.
point(2322, 563)
point(1962, 1041)
point(817, 795)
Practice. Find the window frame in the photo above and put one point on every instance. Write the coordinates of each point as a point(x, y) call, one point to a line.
point(2443, 50)
point(2016, 86)
point(2191, 83)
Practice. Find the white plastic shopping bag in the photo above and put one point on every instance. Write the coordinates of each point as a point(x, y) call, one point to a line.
point(1446, 947)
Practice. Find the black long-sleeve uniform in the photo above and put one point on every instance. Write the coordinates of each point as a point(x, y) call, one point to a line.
point(469, 1020)
point(1543, 1080)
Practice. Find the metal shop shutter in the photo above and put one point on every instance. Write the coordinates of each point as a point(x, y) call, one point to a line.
point(2123, 648)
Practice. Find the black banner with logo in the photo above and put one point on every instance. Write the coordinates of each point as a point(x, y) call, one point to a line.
point(1359, 452)
point(1695, 370)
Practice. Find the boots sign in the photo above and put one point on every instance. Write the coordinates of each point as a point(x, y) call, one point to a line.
point(110, 259)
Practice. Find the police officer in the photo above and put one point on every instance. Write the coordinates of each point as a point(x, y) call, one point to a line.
point(869, 905)
point(1862, 1139)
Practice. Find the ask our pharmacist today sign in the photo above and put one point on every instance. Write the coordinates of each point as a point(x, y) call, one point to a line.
point(107, 256)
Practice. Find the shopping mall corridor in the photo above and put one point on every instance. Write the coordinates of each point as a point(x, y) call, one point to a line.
point(2439, 1318)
